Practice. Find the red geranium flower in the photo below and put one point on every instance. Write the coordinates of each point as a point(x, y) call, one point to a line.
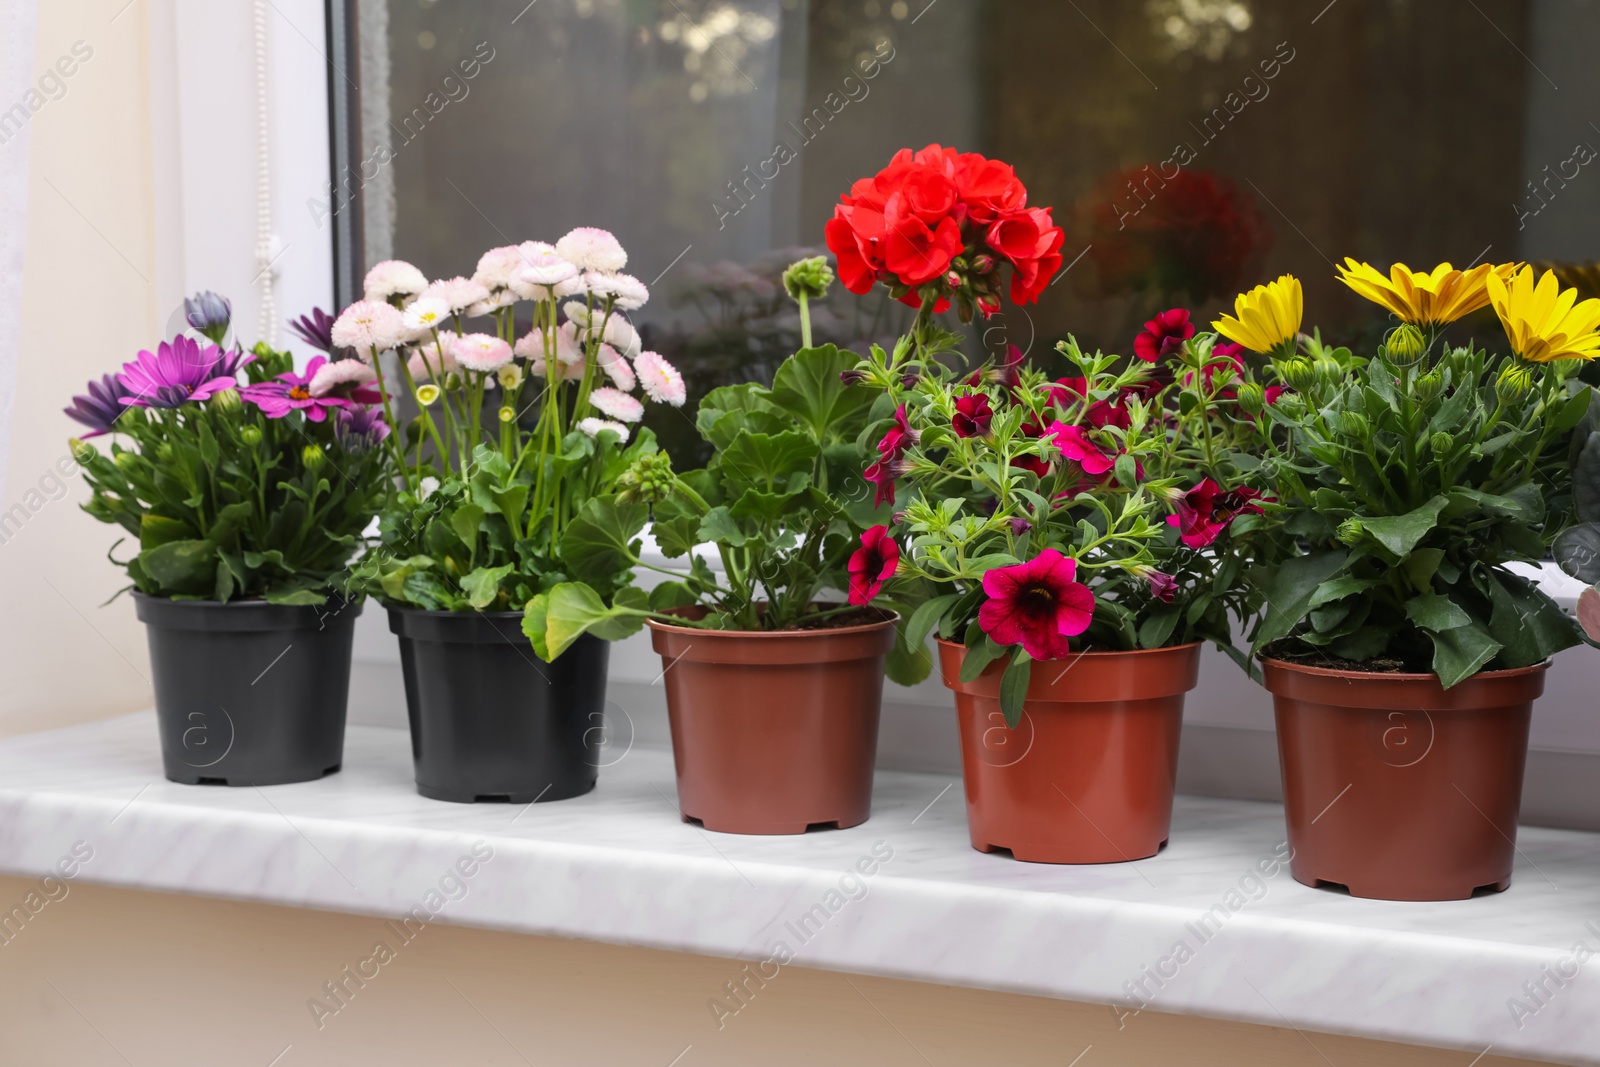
point(1207, 509)
point(872, 564)
point(972, 416)
point(1037, 605)
point(1163, 335)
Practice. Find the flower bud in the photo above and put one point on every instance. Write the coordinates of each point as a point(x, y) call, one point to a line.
point(952, 279)
point(510, 376)
point(313, 457)
point(428, 394)
point(209, 313)
point(1328, 373)
point(1350, 531)
point(1427, 386)
point(649, 480)
point(126, 462)
point(508, 414)
point(983, 263)
point(1354, 424)
point(227, 400)
point(1405, 345)
point(251, 436)
point(166, 453)
point(83, 453)
point(1299, 373)
point(1442, 444)
point(1252, 398)
point(852, 376)
point(809, 278)
point(1514, 383)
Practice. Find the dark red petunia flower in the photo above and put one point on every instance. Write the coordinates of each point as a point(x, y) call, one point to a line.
point(872, 564)
point(1037, 604)
point(1076, 446)
point(899, 437)
point(1113, 412)
point(1207, 509)
point(973, 415)
point(1162, 586)
point(1163, 335)
point(882, 475)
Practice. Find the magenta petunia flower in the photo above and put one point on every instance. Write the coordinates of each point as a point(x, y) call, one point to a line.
point(899, 437)
point(872, 564)
point(1163, 335)
point(1207, 509)
point(1076, 446)
point(177, 372)
point(1037, 604)
point(292, 392)
point(973, 416)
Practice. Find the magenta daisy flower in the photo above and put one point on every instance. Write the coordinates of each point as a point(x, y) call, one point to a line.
point(292, 392)
point(177, 372)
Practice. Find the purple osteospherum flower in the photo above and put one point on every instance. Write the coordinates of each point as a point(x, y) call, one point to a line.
point(209, 313)
point(100, 407)
point(359, 429)
point(292, 392)
point(177, 372)
point(316, 330)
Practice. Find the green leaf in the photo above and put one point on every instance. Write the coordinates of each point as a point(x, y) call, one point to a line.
point(1529, 625)
point(465, 522)
point(1461, 652)
point(926, 617)
point(1586, 480)
point(978, 657)
point(1014, 687)
point(720, 528)
point(619, 626)
point(1421, 566)
point(1401, 533)
point(534, 620)
point(725, 411)
point(1157, 627)
point(156, 530)
point(482, 586)
point(1288, 589)
point(767, 461)
point(1577, 550)
point(1438, 613)
point(597, 544)
point(571, 610)
point(297, 598)
point(427, 590)
point(1340, 588)
point(670, 595)
point(807, 386)
point(1571, 413)
point(182, 566)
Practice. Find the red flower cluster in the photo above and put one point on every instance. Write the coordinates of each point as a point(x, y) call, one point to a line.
point(940, 223)
point(1208, 509)
point(1163, 335)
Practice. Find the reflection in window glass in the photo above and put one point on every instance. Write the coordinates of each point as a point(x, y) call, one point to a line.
point(1189, 147)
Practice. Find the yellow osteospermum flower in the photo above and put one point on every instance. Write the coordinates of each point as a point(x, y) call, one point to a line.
point(1545, 322)
point(1266, 317)
point(1424, 298)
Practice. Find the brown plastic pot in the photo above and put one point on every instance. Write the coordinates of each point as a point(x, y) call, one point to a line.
point(1087, 776)
point(774, 733)
point(1397, 788)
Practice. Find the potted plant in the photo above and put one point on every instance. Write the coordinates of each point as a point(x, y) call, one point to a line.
point(1081, 532)
point(773, 688)
point(246, 487)
point(1402, 652)
point(513, 436)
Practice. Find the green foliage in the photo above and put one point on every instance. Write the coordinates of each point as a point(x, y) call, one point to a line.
point(1404, 490)
point(222, 502)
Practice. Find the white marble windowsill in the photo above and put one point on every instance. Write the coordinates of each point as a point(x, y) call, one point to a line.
point(618, 866)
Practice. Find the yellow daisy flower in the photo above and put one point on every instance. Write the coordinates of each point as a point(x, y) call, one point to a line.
point(1267, 317)
point(1424, 298)
point(1545, 322)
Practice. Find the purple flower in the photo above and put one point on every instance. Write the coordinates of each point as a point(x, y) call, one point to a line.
point(209, 313)
point(177, 372)
point(359, 430)
point(292, 392)
point(316, 330)
point(100, 408)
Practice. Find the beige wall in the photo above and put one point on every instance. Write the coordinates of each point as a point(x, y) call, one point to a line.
point(112, 977)
point(89, 303)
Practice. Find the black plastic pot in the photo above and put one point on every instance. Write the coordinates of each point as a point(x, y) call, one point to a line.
point(249, 693)
point(491, 721)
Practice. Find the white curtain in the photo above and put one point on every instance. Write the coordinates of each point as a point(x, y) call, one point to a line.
point(16, 77)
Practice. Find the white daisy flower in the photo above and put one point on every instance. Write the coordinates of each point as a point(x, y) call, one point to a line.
point(460, 293)
point(425, 314)
point(620, 333)
point(616, 368)
point(432, 357)
point(592, 249)
point(429, 486)
point(367, 325)
point(660, 379)
point(592, 426)
point(509, 376)
point(534, 281)
point(617, 404)
point(497, 266)
point(502, 298)
point(481, 352)
point(393, 277)
point(570, 287)
point(631, 294)
point(340, 372)
point(567, 350)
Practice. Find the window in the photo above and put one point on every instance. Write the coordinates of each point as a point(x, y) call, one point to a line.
point(1189, 147)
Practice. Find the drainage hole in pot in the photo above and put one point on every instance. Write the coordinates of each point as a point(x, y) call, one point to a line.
point(1335, 887)
point(332, 770)
point(210, 781)
point(492, 798)
point(810, 826)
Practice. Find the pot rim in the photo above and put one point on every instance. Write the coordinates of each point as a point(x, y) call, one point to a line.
point(757, 635)
point(1094, 655)
point(1397, 676)
point(242, 616)
point(441, 612)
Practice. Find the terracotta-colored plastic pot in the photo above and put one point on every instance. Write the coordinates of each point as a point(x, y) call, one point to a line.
point(1397, 788)
point(1087, 776)
point(773, 733)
